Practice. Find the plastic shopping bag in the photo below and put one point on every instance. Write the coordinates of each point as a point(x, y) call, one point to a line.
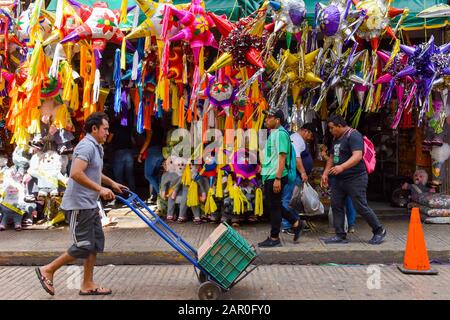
point(311, 201)
point(296, 203)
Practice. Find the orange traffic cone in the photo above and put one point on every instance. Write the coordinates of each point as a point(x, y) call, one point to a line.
point(416, 256)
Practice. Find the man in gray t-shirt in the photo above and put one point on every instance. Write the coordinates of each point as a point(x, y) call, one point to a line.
point(81, 207)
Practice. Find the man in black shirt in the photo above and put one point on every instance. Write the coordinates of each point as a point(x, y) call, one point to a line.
point(348, 178)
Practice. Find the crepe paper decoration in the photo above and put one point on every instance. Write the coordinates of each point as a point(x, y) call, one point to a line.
point(221, 94)
point(241, 45)
point(155, 12)
point(66, 21)
point(30, 27)
point(244, 165)
point(379, 14)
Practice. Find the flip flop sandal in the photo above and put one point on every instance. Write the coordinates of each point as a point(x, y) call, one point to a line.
point(46, 283)
point(96, 292)
point(181, 220)
point(198, 221)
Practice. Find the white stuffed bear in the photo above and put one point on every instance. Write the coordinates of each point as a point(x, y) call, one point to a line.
point(13, 206)
point(47, 167)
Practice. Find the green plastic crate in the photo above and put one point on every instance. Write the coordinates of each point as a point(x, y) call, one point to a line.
point(228, 257)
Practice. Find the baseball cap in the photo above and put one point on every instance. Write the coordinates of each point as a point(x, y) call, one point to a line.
point(311, 127)
point(277, 113)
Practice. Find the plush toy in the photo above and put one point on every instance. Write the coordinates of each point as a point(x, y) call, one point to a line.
point(171, 184)
point(13, 205)
point(194, 189)
point(47, 167)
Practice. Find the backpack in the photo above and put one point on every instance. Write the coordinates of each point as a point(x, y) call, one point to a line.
point(369, 155)
point(291, 162)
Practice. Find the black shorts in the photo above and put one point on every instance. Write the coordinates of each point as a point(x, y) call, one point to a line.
point(86, 231)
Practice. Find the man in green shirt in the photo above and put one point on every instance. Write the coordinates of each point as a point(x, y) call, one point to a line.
point(275, 177)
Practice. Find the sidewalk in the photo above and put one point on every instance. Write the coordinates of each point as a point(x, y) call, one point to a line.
point(131, 242)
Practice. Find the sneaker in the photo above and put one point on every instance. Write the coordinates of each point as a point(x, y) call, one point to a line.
point(379, 237)
point(335, 239)
point(351, 229)
point(298, 230)
point(270, 243)
point(289, 231)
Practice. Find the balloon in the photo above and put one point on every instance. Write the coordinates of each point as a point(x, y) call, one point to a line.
point(379, 15)
point(288, 14)
point(337, 23)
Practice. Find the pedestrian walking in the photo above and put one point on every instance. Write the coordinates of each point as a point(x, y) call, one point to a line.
point(304, 163)
point(80, 206)
point(346, 173)
point(275, 177)
point(152, 147)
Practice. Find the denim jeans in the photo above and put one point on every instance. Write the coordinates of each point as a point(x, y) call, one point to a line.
point(350, 212)
point(152, 166)
point(286, 197)
point(123, 167)
point(355, 188)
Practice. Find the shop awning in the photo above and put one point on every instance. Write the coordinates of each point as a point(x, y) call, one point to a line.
point(235, 9)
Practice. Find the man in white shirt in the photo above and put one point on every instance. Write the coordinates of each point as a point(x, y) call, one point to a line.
point(304, 161)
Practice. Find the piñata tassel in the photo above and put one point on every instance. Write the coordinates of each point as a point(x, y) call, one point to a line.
point(219, 187)
point(181, 113)
point(210, 205)
point(186, 177)
point(123, 11)
point(192, 197)
point(123, 56)
point(259, 202)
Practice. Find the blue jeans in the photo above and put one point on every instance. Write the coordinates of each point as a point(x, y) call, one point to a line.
point(350, 211)
point(123, 167)
point(286, 197)
point(152, 165)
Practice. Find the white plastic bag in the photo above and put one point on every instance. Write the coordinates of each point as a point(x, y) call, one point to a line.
point(311, 201)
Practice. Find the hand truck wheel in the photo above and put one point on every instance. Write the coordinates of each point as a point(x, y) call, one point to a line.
point(202, 277)
point(209, 291)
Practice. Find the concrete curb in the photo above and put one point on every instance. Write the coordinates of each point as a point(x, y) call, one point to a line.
point(267, 257)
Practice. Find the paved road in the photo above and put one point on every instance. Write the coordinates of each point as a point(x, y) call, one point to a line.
point(267, 282)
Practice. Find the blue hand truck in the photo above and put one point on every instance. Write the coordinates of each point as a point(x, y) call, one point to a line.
point(210, 287)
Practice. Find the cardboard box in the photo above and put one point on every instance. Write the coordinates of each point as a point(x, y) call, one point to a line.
point(209, 242)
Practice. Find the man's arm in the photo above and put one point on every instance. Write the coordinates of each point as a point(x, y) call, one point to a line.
point(78, 175)
point(326, 172)
point(148, 138)
point(301, 169)
point(356, 157)
point(281, 164)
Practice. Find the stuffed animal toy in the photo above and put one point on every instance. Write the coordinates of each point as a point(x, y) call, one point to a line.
point(171, 186)
point(194, 189)
point(47, 167)
point(13, 206)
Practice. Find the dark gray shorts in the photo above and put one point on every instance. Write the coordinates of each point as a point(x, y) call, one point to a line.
point(86, 231)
